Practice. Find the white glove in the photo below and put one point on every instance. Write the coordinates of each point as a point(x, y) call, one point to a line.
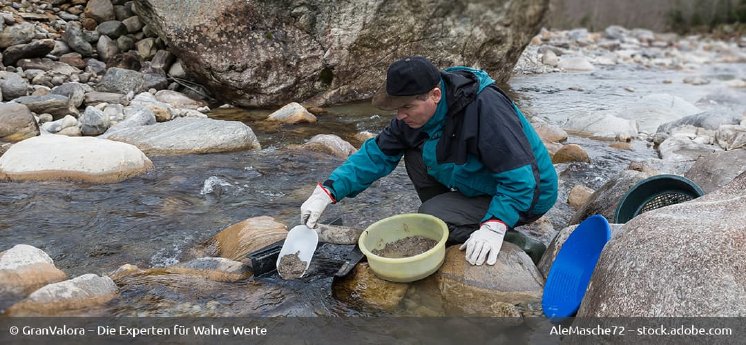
point(311, 210)
point(485, 243)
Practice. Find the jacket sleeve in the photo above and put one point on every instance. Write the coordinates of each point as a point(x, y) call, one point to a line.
point(514, 194)
point(376, 158)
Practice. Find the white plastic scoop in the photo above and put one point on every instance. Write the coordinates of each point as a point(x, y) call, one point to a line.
point(302, 240)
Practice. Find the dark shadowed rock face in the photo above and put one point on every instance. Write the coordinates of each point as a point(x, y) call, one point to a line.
point(261, 53)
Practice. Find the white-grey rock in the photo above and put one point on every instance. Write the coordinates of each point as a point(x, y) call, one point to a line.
point(58, 157)
point(146, 48)
point(107, 48)
point(134, 117)
point(292, 113)
point(178, 100)
point(176, 70)
point(93, 98)
point(163, 112)
point(24, 268)
point(53, 127)
point(683, 149)
point(575, 63)
point(331, 144)
point(549, 58)
point(133, 24)
point(651, 111)
point(708, 120)
point(189, 135)
point(115, 112)
point(80, 292)
point(60, 48)
point(93, 122)
point(74, 91)
point(731, 137)
point(606, 126)
point(190, 113)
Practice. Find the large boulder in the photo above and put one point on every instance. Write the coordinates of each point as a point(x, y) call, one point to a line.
point(684, 260)
point(332, 51)
point(189, 135)
point(58, 157)
point(484, 290)
point(16, 122)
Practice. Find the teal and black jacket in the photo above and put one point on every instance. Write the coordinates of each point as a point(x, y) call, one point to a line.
point(477, 142)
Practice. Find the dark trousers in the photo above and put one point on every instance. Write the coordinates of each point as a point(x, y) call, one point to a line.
point(462, 214)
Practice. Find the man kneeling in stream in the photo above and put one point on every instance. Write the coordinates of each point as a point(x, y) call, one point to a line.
point(474, 159)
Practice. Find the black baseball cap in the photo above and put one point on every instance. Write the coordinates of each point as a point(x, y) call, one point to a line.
point(406, 79)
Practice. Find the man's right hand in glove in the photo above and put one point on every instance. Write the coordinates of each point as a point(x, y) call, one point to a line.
point(312, 209)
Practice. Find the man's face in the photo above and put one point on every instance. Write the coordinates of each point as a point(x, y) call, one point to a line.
point(417, 112)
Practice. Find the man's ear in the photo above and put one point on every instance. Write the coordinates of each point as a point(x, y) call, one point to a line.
point(436, 94)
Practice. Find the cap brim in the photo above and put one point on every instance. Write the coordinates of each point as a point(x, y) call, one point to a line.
point(382, 100)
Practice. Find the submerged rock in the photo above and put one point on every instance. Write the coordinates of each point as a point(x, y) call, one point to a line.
point(238, 240)
point(363, 288)
point(77, 294)
point(570, 153)
point(217, 269)
point(23, 269)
